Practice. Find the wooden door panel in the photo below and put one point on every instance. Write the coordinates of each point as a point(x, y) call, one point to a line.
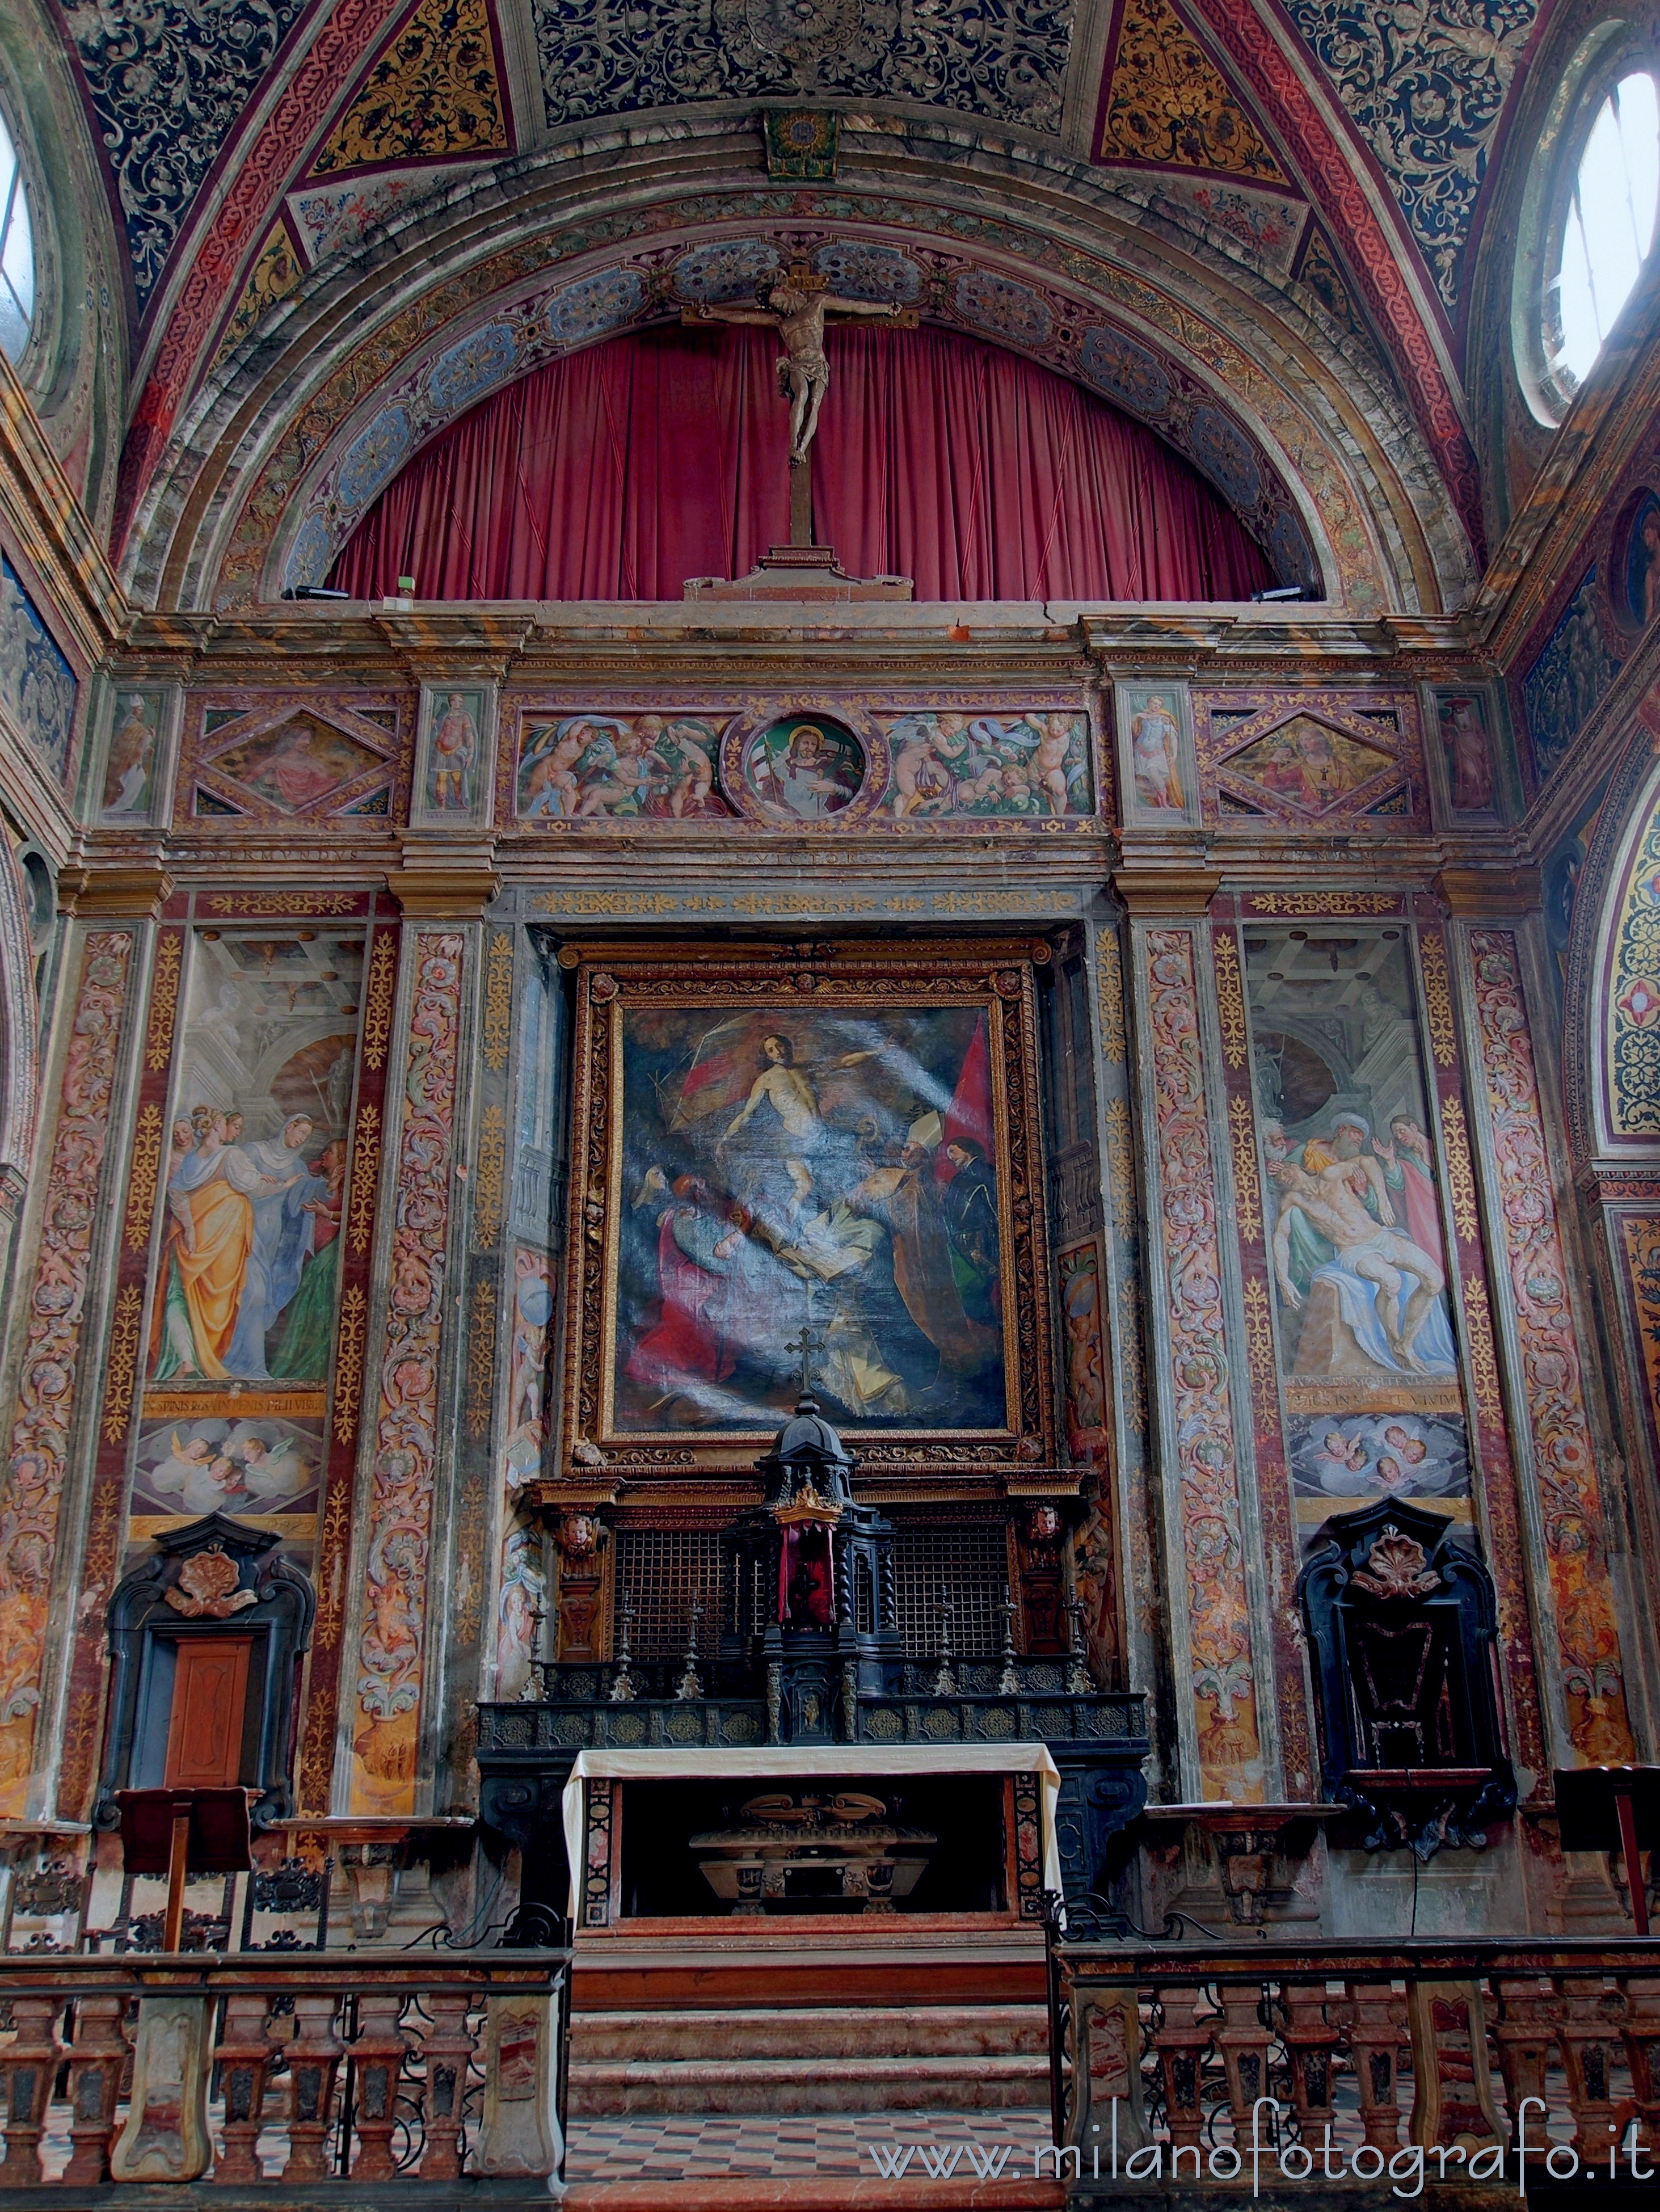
point(210, 1704)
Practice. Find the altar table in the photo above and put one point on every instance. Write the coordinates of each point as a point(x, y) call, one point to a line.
point(804, 1762)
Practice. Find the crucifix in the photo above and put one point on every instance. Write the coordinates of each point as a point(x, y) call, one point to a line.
point(795, 306)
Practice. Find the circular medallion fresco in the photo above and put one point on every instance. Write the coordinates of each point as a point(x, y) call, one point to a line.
point(803, 767)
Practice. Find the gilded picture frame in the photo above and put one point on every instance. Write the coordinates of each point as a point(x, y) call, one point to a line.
point(764, 1137)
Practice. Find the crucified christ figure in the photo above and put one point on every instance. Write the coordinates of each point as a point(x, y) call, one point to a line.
point(795, 308)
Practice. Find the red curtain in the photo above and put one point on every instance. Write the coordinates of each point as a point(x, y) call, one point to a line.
point(620, 471)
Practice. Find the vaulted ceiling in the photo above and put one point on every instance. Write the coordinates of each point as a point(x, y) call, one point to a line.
point(1328, 157)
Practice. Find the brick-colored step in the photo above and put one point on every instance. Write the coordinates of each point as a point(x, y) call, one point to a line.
point(918, 2031)
point(820, 2085)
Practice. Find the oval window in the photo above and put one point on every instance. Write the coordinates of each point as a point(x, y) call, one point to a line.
point(17, 252)
point(1608, 227)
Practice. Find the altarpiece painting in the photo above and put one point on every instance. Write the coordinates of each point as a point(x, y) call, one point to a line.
point(822, 1175)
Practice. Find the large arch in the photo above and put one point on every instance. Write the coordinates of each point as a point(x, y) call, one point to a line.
point(1200, 339)
point(1613, 1072)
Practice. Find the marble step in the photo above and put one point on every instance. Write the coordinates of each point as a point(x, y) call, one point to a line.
point(909, 2031)
point(878, 2084)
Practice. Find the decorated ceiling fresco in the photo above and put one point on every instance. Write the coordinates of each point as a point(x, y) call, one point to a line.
point(1006, 62)
point(1426, 86)
point(168, 83)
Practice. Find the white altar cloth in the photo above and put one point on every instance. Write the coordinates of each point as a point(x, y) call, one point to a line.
point(784, 1761)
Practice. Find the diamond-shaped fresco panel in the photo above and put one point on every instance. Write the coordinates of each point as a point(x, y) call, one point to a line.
point(297, 766)
point(1308, 765)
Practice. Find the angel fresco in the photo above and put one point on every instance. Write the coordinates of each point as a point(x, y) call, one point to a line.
point(832, 1170)
point(951, 764)
point(662, 768)
point(223, 1466)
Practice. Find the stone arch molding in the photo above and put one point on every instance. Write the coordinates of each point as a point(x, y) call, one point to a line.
point(1614, 971)
point(295, 436)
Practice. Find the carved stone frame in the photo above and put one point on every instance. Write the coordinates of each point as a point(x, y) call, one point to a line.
point(280, 1616)
point(995, 974)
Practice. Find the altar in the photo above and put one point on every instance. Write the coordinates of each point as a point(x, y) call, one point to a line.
point(800, 1845)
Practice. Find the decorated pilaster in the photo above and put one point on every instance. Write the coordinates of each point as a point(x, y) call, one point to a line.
point(411, 1383)
point(1555, 1423)
point(1219, 1656)
point(59, 1332)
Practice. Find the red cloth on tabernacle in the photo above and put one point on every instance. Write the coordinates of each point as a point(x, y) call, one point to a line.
point(623, 469)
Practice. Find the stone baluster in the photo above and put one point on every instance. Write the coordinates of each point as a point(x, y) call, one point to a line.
point(245, 2055)
point(1375, 2048)
point(96, 2058)
point(1641, 2031)
point(1523, 2034)
point(519, 2126)
point(1310, 2039)
point(314, 2058)
point(1107, 2065)
point(1589, 2033)
point(26, 2070)
point(165, 2137)
point(447, 2047)
point(377, 2052)
point(1452, 2081)
point(1242, 2042)
point(1182, 2042)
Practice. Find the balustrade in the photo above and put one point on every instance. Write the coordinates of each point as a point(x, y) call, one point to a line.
point(1437, 2058)
point(301, 2067)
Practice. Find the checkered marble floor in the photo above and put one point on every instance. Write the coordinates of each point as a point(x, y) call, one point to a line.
point(685, 2147)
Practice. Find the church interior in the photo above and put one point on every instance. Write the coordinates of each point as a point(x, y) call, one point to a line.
point(830, 1101)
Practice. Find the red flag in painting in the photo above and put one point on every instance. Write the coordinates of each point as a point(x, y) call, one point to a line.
point(968, 1113)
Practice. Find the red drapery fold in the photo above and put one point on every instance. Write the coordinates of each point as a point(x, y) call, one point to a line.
point(623, 469)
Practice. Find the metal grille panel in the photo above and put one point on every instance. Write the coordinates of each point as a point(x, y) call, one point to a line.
point(969, 1566)
point(662, 1569)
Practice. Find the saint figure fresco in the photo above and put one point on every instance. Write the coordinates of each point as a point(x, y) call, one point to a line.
point(454, 752)
point(1643, 560)
point(1155, 747)
point(248, 1274)
point(128, 772)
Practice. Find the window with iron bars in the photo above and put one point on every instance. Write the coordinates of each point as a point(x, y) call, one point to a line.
point(661, 1570)
point(968, 1566)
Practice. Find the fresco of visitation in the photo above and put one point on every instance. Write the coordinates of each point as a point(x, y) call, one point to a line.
point(251, 1252)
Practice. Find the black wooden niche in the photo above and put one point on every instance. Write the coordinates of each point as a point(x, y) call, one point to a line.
point(214, 1616)
point(1401, 1622)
